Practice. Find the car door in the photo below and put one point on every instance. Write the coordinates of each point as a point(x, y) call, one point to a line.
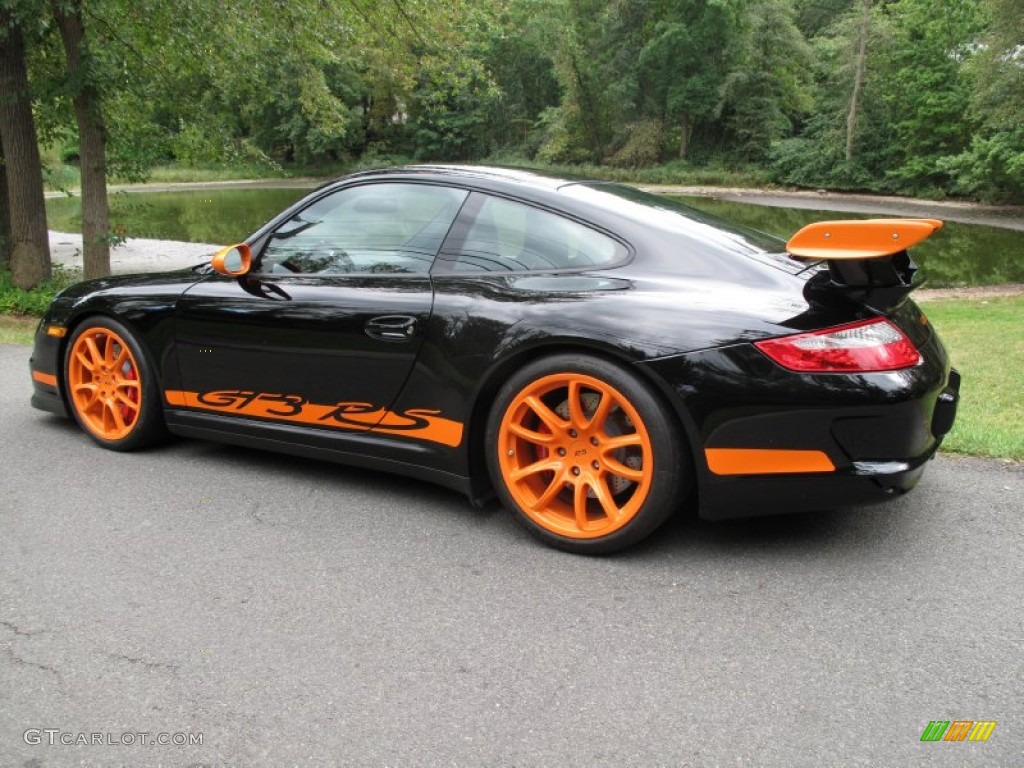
point(325, 328)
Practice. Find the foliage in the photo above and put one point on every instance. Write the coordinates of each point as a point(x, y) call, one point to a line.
point(15, 301)
point(337, 83)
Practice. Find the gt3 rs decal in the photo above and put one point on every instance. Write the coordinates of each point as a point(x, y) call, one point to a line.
point(419, 423)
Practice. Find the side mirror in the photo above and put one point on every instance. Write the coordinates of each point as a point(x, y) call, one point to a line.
point(233, 261)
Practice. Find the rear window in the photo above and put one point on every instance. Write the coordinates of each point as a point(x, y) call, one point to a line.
point(669, 215)
point(506, 236)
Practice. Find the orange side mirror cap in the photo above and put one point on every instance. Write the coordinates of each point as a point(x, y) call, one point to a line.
point(233, 261)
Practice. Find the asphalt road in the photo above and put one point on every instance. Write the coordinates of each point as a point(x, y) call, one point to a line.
point(300, 613)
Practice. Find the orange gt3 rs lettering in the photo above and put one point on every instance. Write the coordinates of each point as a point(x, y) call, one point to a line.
point(420, 423)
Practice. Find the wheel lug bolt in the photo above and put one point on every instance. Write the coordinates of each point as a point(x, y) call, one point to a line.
point(561, 451)
point(596, 465)
point(572, 433)
point(593, 441)
point(576, 470)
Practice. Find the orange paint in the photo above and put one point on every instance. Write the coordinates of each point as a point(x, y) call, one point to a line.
point(103, 383)
point(582, 469)
point(419, 423)
point(45, 378)
point(868, 239)
point(765, 461)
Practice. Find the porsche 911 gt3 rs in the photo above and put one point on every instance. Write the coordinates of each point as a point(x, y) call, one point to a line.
point(594, 356)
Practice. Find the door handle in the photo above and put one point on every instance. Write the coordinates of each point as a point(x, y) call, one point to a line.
point(391, 328)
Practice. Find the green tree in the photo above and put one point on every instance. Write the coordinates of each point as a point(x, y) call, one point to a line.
point(686, 61)
point(992, 166)
point(23, 198)
point(769, 86)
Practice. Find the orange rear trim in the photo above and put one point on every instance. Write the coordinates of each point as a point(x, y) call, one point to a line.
point(45, 378)
point(764, 461)
point(867, 239)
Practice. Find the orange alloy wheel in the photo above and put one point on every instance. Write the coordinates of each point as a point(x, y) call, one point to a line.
point(104, 384)
point(575, 455)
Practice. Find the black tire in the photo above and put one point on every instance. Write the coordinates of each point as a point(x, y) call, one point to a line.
point(141, 409)
point(587, 497)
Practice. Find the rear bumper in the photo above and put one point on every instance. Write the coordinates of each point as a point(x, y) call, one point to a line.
point(814, 442)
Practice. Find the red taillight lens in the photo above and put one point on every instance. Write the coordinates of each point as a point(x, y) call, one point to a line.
point(874, 345)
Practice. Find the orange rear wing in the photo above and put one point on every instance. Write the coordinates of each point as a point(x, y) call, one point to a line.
point(867, 259)
point(864, 239)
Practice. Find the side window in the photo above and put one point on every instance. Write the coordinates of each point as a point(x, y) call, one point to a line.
point(505, 236)
point(376, 228)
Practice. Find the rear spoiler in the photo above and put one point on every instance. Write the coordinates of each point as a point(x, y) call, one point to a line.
point(867, 259)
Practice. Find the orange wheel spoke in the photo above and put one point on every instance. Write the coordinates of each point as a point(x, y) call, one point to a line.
point(94, 352)
point(133, 383)
point(86, 363)
point(122, 357)
point(579, 503)
point(115, 414)
point(618, 468)
point(576, 415)
point(604, 497)
point(553, 489)
point(125, 400)
point(545, 414)
point(621, 441)
point(108, 351)
point(601, 412)
point(533, 436)
point(544, 465)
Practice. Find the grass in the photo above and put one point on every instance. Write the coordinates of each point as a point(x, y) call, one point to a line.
point(985, 338)
point(17, 329)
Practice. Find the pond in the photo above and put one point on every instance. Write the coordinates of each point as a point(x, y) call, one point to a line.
point(960, 254)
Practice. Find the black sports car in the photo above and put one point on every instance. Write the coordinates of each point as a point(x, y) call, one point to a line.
point(592, 354)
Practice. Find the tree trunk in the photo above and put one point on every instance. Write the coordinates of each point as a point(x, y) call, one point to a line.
point(92, 140)
point(5, 217)
point(858, 80)
point(29, 245)
point(685, 130)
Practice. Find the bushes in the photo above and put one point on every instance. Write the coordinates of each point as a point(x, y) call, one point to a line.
point(15, 301)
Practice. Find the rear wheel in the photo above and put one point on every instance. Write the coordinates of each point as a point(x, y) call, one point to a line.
point(111, 387)
point(585, 454)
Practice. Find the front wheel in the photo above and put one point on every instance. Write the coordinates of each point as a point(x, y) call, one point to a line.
point(585, 454)
point(111, 387)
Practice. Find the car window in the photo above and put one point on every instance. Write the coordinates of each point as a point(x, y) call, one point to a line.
point(376, 228)
point(506, 236)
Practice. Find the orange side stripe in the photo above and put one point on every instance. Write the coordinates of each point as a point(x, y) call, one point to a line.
point(417, 423)
point(45, 378)
point(175, 397)
point(764, 461)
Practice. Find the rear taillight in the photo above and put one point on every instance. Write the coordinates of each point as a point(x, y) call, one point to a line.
point(873, 345)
